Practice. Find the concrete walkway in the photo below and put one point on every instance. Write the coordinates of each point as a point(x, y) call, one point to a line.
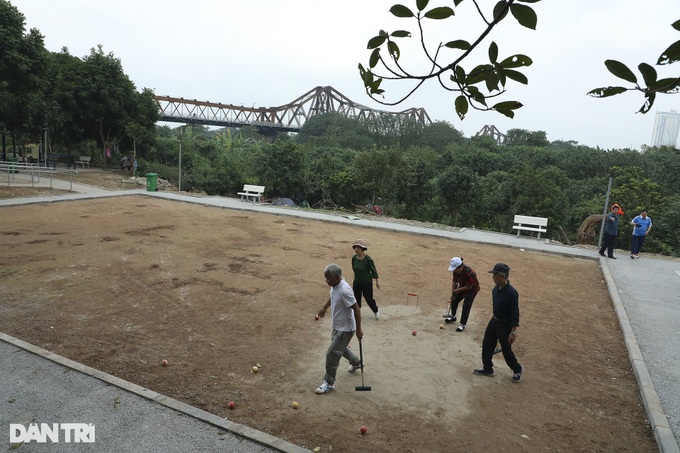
point(644, 294)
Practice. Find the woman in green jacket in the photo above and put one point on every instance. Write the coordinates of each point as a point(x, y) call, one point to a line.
point(364, 273)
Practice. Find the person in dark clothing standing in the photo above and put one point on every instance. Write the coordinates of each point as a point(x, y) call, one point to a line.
point(364, 273)
point(503, 325)
point(465, 287)
point(611, 230)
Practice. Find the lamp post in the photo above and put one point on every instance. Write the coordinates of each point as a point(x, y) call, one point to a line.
point(44, 148)
point(134, 154)
point(604, 214)
point(180, 166)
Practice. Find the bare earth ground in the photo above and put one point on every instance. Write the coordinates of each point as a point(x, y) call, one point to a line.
point(122, 283)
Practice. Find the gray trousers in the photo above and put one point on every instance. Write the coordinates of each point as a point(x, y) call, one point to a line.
point(338, 348)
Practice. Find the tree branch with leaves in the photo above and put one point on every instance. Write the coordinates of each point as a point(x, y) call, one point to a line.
point(474, 88)
point(652, 83)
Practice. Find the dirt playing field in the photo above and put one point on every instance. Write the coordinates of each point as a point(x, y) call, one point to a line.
point(120, 284)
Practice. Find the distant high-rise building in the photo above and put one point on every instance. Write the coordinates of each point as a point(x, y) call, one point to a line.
point(666, 129)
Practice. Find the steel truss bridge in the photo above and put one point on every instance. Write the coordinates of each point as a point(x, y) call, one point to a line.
point(286, 118)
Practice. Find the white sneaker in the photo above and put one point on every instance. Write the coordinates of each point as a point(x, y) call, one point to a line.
point(324, 388)
point(460, 328)
point(353, 368)
point(377, 314)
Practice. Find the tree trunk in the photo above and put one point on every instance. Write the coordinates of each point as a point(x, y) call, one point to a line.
point(587, 231)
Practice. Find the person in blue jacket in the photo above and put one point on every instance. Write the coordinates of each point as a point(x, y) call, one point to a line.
point(642, 225)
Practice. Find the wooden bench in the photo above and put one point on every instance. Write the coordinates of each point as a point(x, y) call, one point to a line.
point(250, 191)
point(528, 223)
point(84, 161)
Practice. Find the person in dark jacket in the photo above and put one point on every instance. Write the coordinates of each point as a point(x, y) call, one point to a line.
point(611, 230)
point(364, 273)
point(502, 327)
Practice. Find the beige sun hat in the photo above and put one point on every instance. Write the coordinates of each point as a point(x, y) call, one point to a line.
point(360, 243)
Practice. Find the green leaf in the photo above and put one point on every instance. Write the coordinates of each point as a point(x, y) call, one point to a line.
point(525, 15)
point(478, 74)
point(462, 106)
point(509, 113)
point(506, 108)
point(669, 85)
point(458, 44)
point(500, 11)
point(375, 57)
point(457, 2)
point(474, 93)
point(647, 106)
point(676, 25)
point(516, 76)
point(401, 11)
point(393, 48)
point(368, 78)
point(510, 105)
point(516, 61)
point(605, 92)
point(491, 80)
point(648, 73)
point(620, 70)
point(459, 75)
point(493, 52)
point(472, 90)
point(376, 41)
point(442, 12)
point(670, 55)
point(422, 4)
point(401, 34)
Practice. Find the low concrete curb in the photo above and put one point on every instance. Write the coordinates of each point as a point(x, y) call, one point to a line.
point(657, 418)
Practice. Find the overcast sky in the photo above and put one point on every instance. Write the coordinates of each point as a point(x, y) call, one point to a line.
point(265, 53)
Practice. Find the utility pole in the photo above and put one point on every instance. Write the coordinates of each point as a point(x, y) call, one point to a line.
point(134, 154)
point(44, 148)
point(180, 166)
point(604, 214)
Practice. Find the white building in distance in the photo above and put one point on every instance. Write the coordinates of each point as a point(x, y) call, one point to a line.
point(666, 129)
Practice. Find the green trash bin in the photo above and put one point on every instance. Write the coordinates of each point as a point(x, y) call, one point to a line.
point(151, 180)
point(12, 168)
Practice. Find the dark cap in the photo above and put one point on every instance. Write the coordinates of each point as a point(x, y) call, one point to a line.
point(500, 267)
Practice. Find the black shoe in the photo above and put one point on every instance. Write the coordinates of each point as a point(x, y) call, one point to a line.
point(482, 372)
point(450, 319)
point(601, 254)
point(516, 377)
point(612, 257)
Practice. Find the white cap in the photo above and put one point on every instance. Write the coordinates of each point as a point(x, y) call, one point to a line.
point(455, 263)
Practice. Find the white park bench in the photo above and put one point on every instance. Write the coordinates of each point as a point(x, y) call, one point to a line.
point(84, 161)
point(250, 191)
point(528, 223)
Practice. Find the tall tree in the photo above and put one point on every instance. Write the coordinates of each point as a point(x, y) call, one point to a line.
point(22, 69)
